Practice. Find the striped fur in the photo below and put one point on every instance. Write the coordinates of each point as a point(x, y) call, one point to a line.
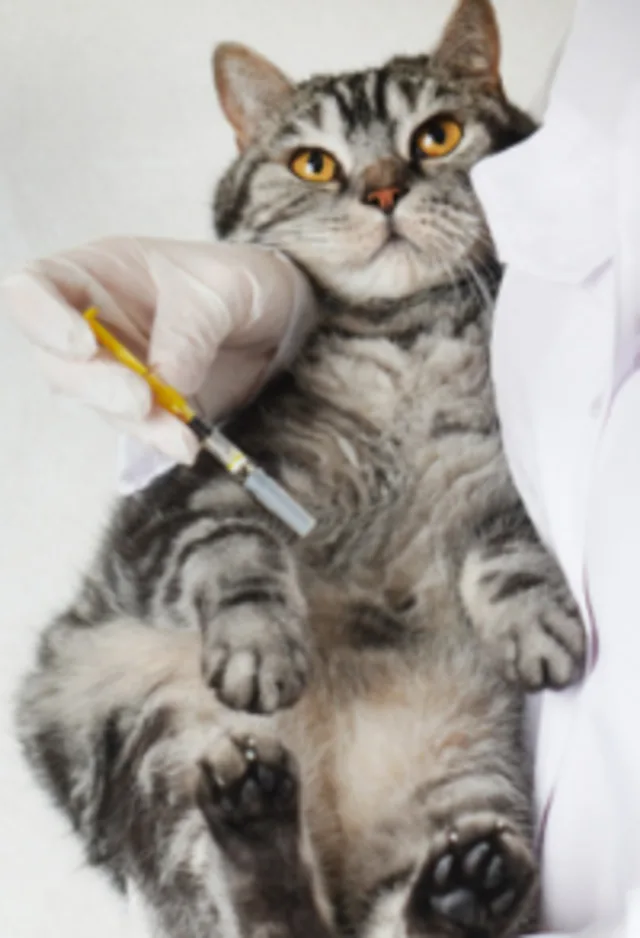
point(281, 739)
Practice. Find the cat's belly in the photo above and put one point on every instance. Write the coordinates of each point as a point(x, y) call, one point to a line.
point(375, 730)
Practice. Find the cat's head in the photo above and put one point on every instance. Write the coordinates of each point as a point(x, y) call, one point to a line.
point(363, 178)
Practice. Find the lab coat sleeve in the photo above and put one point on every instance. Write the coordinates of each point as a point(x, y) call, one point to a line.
point(627, 926)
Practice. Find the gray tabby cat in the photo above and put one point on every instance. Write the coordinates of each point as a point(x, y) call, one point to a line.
point(393, 799)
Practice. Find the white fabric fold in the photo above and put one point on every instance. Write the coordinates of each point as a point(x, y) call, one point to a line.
point(564, 208)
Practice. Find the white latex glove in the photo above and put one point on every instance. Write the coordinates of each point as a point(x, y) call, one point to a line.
point(209, 318)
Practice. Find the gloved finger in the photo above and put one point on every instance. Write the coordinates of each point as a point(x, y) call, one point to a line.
point(280, 294)
point(43, 314)
point(101, 383)
point(47, 295)
point(192, 319)
point(164, 432)
point(113, 275)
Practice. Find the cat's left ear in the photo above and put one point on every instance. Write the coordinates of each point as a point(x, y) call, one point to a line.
point(470, 45)
point(249, 88)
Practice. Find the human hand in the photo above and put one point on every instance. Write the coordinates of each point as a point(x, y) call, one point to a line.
point(208, 318)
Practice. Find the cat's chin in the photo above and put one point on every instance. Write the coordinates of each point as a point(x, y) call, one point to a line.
point(396, 271)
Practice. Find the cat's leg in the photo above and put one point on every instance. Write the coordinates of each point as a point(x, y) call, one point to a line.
point(518, 601)
point(477, 874)
point(220, 566)
point(250, 798)
point(456, 860)
point(136, 750)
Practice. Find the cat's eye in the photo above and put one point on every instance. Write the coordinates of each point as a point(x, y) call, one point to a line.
point(438, 136)
point(314, 165)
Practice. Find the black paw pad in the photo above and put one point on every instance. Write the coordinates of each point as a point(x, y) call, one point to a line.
point(263, 791)
point(475, 887)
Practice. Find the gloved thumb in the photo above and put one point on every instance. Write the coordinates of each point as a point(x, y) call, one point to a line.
point(192, 320)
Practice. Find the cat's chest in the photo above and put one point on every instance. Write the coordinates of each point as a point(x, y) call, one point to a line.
point(398, 412)
point(409, 424)
point(446, 389)
point(397, 392)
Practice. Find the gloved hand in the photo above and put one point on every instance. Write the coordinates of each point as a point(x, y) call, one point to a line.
point(209, 318)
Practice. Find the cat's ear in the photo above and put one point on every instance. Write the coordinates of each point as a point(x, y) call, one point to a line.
point(249, 88)
point(470, 45)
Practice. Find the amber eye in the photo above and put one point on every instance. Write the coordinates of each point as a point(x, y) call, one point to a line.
point(314, 165)
point(437, 137)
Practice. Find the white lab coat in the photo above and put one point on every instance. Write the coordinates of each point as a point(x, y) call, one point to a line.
point(564, 208)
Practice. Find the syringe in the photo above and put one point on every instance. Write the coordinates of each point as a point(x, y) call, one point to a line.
point(262, 487)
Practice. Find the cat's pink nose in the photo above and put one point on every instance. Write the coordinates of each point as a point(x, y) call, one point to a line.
point(385, 199)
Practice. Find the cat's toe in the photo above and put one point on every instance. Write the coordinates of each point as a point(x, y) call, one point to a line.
point(479, 884)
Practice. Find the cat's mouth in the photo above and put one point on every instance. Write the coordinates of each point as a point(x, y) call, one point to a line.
point(393, 241)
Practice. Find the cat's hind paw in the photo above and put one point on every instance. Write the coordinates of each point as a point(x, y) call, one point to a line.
point(477, 882)
point(248, 784)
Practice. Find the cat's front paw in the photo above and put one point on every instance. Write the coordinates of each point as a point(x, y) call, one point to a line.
point(528, 617)
point(540, 638)
point(254, 660)
point(549, 649)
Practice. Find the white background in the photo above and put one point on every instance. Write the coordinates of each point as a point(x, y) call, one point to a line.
point(108, 124)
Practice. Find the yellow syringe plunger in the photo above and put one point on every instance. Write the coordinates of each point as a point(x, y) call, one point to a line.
point(165, 396)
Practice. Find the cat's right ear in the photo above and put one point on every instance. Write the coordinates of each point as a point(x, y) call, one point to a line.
point(470, 46)
point(249, 88)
